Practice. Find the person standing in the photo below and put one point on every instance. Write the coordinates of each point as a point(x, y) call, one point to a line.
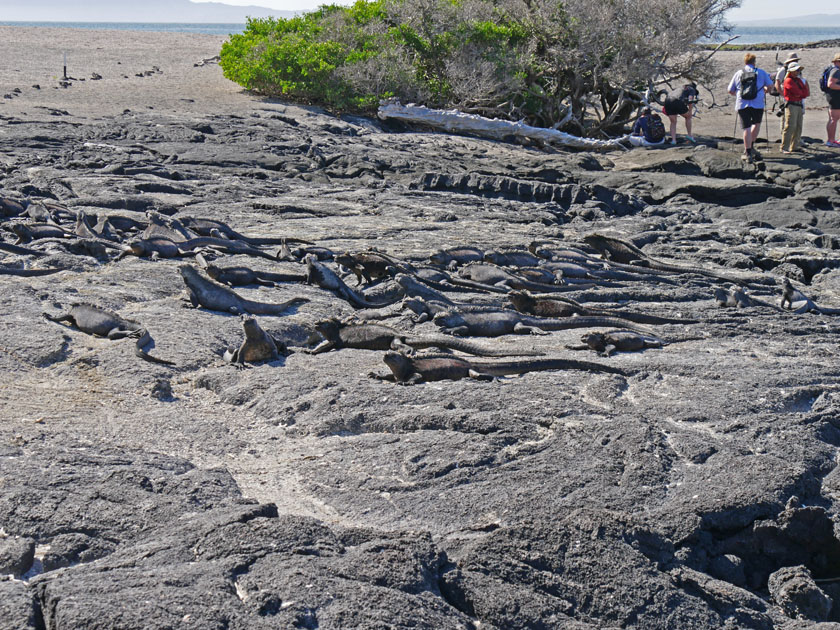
point(680, 102)
point(748, 86)
point(778, 86)
point(832, 95)
point(795, 91)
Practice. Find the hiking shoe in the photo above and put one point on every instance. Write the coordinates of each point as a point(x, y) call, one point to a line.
point(673, 142)
point(832, 143)
point(691, 139)
point(757, 156)
point(747, 157)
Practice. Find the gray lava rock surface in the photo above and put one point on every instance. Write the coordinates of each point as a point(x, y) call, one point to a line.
point(302, 493)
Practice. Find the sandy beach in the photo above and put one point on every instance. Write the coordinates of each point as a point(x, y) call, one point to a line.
point(34, 56)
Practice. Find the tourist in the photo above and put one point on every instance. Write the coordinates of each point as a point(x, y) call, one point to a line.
point(748, 86)
point(648, 130)
point(778, 86)
point(832, 95)
point(795, 90)
point(680, 102)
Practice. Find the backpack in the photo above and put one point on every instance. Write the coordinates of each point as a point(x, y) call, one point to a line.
point(824, 78)
point(749, 85)
point(656, 128)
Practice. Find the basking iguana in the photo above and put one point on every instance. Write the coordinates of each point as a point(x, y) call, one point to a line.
point(607, 343)
point(217, 297)
point(258, 345)
point(321, 275)
point(495, 323)
point(206, 227)
point(101, 323)
point(543, 306)
point(615, 249)
point(798, 302)
point(243, 276)
point(411, 370)
point(337, 335)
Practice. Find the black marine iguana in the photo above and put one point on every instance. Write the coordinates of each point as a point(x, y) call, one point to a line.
point(258, 345)
point(607, 343)
point(217, 297)
point(411, 370)
point(615, 249)
point(206, 227)
point(243, 276)
point(338, 335)
point(796, 301)
point(542, 306)
point(495, 323)
point(101, 323)
point(321, 275)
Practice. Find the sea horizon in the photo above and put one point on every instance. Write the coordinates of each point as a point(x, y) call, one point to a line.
point(746, 34)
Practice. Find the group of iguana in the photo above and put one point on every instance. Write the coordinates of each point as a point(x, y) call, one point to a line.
point(465, 291)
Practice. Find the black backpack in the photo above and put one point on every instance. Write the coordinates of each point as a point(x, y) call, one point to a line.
point(656, 128)
point(824, 78)
point(749, 85)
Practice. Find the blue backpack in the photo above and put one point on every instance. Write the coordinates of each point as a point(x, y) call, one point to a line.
point(824, 78)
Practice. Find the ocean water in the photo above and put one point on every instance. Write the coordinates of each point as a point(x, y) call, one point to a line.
point(781, 34)
point(746, 34)
point(161, 27)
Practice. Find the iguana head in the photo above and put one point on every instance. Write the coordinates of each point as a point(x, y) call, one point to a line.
point(521, 300)
point(399, 365)
point(328, 328)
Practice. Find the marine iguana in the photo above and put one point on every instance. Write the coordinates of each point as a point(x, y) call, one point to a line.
point(205, 227)
point(798, 302)
point(607, 343)
point(101, 323)
point(615, 249)
point(258, 345)
point(37, 231)
point(412, 370)
point(454, 256)
point(321, 275)
point(338, 335)
point(243, 276)
point(495, 323)
point(542, 306)
point(166, 227)
point(494, 276)
point(160, 247)
point(512, 258)
point(739, 299)
point(370, 265)
point(217, 297)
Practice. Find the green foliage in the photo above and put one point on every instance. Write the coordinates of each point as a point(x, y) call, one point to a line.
point(541, 61)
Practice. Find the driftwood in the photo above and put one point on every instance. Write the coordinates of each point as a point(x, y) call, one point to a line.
point(459, 122)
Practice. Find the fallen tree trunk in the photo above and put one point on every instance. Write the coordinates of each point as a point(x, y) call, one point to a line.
point(458, 122)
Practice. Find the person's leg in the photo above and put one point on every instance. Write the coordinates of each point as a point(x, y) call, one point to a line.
point(788, 130)
point(687, 117)
point(796, 120)
point(831, 127)
point(673, 130)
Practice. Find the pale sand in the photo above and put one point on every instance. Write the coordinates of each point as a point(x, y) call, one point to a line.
point(35, 56)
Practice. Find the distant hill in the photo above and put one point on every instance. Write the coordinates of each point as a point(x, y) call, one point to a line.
point(817, 19)
point(131, 11)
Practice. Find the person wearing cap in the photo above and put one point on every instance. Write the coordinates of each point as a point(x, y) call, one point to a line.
point(782, 73)
point(680, 102)
point(750, 110)
point(778, 86)
point(833, 98)
point(795, 91)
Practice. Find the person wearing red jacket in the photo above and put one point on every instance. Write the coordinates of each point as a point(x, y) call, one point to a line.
point(795, 90)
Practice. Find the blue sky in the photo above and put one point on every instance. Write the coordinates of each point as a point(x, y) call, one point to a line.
point(750, 9)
